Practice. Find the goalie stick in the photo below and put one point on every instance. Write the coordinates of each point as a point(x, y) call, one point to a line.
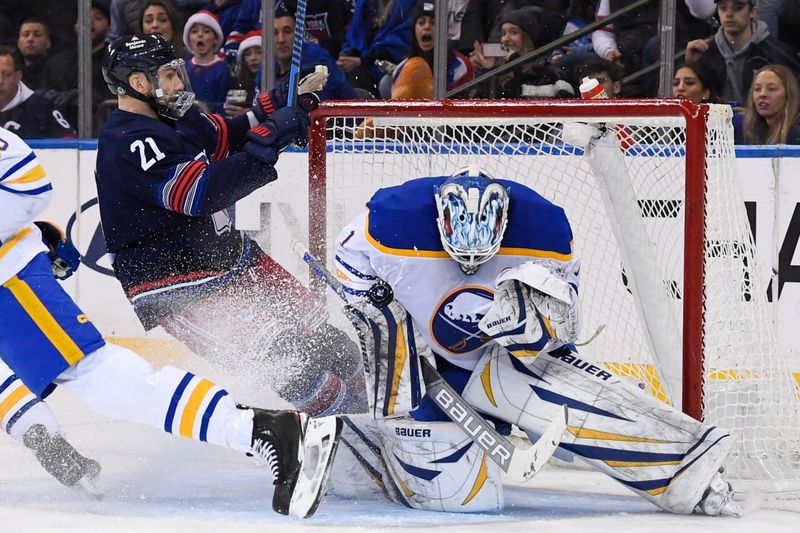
point(519, 463)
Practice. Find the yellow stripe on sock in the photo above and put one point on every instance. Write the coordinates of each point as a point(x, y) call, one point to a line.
point(44, 320)
point(12, 399)
point(193, 406)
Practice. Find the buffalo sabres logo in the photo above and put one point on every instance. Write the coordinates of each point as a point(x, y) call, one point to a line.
point(454, 326)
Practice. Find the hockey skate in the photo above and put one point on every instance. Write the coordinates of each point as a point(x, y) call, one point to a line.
point(718, 499)
point(299, 451)
point(61, 460)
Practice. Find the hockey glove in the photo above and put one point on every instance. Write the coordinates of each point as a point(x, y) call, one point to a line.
point(514, 321)
point(313, 79)
point(284, 127)
point(64, 257)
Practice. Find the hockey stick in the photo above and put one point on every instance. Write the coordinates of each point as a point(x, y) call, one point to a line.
point(521, 464)
point(297, 52)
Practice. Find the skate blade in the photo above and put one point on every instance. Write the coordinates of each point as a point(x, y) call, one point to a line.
point(89, 484)
point(319, 450)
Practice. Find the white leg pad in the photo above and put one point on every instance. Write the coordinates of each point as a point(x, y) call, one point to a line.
point(438, 468)
point(652, 448)
point(423, 465)
point(358, 471)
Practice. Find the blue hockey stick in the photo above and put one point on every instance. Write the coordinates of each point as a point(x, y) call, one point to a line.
point(297, 51)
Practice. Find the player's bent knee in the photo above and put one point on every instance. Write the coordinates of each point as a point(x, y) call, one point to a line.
point(435, 466)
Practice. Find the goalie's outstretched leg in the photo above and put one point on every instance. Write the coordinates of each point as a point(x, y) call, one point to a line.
point(653, 449)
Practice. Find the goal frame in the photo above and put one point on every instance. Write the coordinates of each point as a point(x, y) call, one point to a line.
point(695, 116)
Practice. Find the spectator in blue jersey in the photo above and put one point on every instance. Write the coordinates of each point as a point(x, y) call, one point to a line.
point(459, 67)
point(379, 30)
point(326, 21)
point(167, 178)
point(160, 17)
point(22, 111)
point(209, 73)
point(338, 86)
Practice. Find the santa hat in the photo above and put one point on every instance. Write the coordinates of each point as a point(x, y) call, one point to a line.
point(253, 38)
point(206, 18)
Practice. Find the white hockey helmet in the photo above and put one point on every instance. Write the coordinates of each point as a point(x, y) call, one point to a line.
point(472, 216)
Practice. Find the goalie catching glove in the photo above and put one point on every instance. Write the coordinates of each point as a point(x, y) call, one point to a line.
point(533, 305)
point(64, 257)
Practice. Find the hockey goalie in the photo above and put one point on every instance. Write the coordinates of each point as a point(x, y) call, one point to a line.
point(477, 276)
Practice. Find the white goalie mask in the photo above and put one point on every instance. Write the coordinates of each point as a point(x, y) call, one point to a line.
point(472, 217)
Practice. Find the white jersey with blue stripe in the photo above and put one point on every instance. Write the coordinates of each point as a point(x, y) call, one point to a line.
point(25, 190)
point(397, 240)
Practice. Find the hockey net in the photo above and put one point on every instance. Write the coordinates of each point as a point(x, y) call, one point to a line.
point(670, 297)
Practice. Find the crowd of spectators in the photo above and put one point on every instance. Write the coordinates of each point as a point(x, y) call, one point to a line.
point(740, 52)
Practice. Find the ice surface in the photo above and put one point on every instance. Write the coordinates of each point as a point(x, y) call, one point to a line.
point(156, 482)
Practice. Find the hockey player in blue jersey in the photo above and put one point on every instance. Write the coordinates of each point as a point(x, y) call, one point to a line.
point(483, 284)
point(46, 340)
point(167, 176)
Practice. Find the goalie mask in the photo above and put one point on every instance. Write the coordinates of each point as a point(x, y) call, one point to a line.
point(155, 57)
point(472, 217)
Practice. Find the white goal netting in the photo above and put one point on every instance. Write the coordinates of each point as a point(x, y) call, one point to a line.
point(627, 203)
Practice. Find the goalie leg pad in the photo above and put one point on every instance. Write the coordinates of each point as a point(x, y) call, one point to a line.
point(652, 448)
point(422, 465)
point(438, 468)
point(390, 345)
point(358, 471)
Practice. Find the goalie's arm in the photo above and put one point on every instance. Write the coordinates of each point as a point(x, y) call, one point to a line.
point(353, 267)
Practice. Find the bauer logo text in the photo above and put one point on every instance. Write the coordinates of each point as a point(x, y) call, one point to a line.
point(413, 432)
point(474, 427)
point(568, 357)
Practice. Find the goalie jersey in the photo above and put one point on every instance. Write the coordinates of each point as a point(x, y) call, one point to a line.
point(396, 239)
